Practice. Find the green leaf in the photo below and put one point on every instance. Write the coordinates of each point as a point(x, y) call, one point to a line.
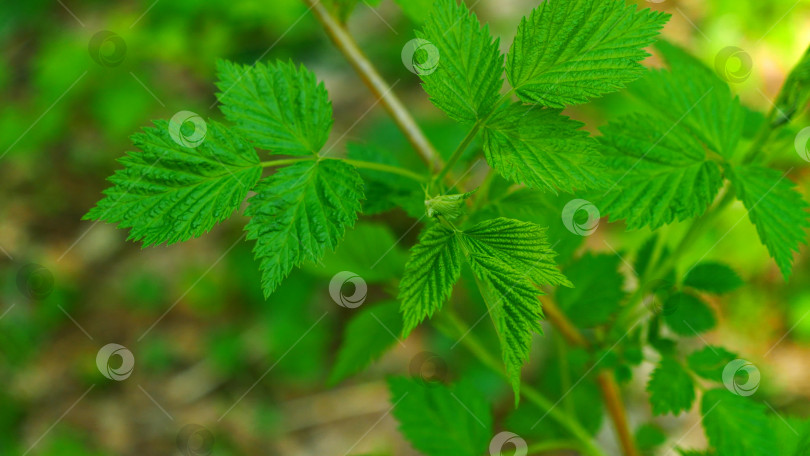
point(644, 255)
point(535, 206)
point(648, 436)
point(522, 246)
point(713, 277)
point(467, 81)
point(439, 420)
point(661, 173)
point(367, 336)
point(542, 149)
point(281, 108)
point(735, 425)
point(298, 213)
point(431, 272)
point(671, 388)
point(170, 193)
point(694, 98)
point(506, 256)
point(710, 361)
point(775, 208)
point(687, 315)
point(597, 290)
point(568, 51)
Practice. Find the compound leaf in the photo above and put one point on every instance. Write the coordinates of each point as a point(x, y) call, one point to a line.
point(279, 107)
point(168, 192)
point(568, 51)
point(298, 213)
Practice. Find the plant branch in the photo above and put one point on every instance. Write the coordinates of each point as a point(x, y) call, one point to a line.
point(461, 331)
point(608, 388)
point(610, 395)
point(372, 79)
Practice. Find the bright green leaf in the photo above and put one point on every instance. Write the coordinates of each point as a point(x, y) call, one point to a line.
point(775, 208)
point(661, 173)
point(298, 213)
point(568, 51)
point(169, 193)
point(281, 108)
point(431, 272)
point(542, 149)
point(469, 72)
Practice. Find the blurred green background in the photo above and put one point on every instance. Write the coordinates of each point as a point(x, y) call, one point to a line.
point(209, 350)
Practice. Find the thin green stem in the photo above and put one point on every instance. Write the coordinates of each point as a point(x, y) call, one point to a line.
point(285, 161)
point(356, 163)
point(387, 169)
point(553, 445)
